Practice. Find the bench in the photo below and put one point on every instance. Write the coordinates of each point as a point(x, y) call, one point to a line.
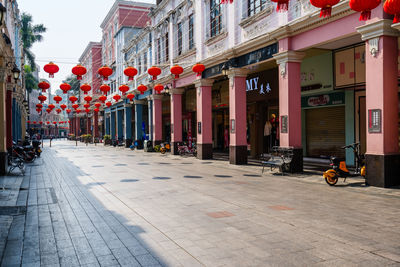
point(280, 157)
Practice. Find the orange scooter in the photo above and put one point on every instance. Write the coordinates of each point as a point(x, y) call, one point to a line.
point(339, 168)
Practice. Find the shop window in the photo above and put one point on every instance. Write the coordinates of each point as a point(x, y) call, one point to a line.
point(215, 17)
point(191, 39)
point(255, 6)
point(179, 38)
point(350, 67)
point(166, 39)
point(158, 51)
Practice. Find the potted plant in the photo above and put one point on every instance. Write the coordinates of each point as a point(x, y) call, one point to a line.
point(107, 139)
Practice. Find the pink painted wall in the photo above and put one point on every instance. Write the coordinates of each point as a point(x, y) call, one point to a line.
point(157, 120)
point(382, 93)
point(133, 18)
point(185, 81)
point(204, 114)
point(96, 64)
point(176, 117)
point(290, 105)
point(238, 111)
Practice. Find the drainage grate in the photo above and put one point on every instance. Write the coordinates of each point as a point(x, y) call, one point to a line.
point(13, 210)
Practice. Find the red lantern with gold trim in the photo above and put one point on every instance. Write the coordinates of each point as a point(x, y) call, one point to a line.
point(158, 88)
point(47, 122)
point(105, 88)
point(116, 97)
point(142, 88)
point(154, 72)
point(130, 97)
point(42, 98)
point(75, 106)
point(176, 70)
point(131, 72)
point(124, 88)
point(198, 68)
point(87, 110)
point(105, 71)
point(86, 105)
point(96, 110)
point(51, 68)
point(102, 98)
point(65, 87)
point(40, 122)
point(73, 99)
point(48, 110)
point(34, 122)
point(85, 88)
point(108, 104)
point(78, 111)
point(58, 111)
point(38, 110)
point(57, 98)
point(79, 71)
point(44, 86)
point(365, 7)
point(282, 6)
point(325, 6)
point(39, 106)
point(392, 7)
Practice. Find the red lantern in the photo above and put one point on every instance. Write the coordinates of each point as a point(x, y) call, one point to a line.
point(392, 7)
point(54, 122)
point(364, 6)
point(34, 122)
point(44, 86)
point(282, 5)
point(57, 98)
point(158, 88)
point(86, 106)
point(51, 106)
point(85, 88)
point(198, 68)
point(63, 106)
point(97, 105)
point(73, 99)
point(325, 6)
point(116, 97)
point(69, 121)
point(78, 111)
point(102, 98)
point(75, 106)
point(65, 87)
point(68, 110)
point(96, 110)
point(108, 104)
point(48, 110)
point(38, 110)
point(47, 122)
point(142, 88)
point(88, 98)
point(40, 122)
point(42, 98)
point(58, 111)
point(124, 88)
point(51, 68)
point(130, 72)
point(154, 71)
point(130, 96)
point(79, 71)
point(105, 88)
point(28, 122)
point(87, 110)
point(177, 70)
point(39, 106)
point(105, 71)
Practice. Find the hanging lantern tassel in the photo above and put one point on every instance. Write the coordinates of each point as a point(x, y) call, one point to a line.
point(392, 7)
point(325, 12)
point(283, 5)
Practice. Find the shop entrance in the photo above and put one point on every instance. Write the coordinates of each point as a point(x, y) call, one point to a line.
point(325, 132)
point(221, 129)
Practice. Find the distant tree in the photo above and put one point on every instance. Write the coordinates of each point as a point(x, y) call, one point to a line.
point(30, 34)
point(30, 81)
point(75, 84)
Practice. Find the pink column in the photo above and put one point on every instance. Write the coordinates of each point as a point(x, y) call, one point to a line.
point(382, 101)
point(176, 119)
point(96, 124)
point(157, 119)
point(290, 105)
point(237, 116)
point(204, 118)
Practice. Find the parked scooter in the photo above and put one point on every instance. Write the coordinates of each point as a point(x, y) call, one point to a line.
point(28, 155)
point(165, 147)
point(339, 168)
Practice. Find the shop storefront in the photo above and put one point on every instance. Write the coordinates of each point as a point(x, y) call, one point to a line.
point(189, 117)
point(220, 115)
point(166, 119)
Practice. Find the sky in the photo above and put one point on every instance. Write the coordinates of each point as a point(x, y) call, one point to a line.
point(71, 25)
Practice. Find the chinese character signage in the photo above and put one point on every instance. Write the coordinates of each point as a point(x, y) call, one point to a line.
point(374, 121)
point(284, 124)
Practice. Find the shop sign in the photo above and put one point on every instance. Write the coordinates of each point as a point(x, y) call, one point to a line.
point(284, 124)
point(323, 100)
point(374, 121)
point(253, 85)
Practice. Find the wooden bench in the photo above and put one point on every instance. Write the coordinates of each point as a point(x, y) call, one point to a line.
point(280, 157)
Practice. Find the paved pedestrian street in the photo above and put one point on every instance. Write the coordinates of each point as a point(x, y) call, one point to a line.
point(105, 206)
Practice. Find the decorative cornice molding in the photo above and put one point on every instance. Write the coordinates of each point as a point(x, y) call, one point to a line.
point(376, 29)
point(289, 56)
point(139, 102)
point(177, 91)
point(203, 82)
point(238, 72)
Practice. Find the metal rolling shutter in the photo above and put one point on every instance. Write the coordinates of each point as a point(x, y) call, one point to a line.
point(325, 130)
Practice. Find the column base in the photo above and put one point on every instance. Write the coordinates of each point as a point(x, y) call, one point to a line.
point(297, 161)
point(174, 148)
point(382, 170)
point(204, 151)
point(238, 155)
point(3, 163)
point(128, 143)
